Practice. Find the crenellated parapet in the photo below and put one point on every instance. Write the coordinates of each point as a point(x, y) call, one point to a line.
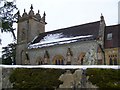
point(32, 15)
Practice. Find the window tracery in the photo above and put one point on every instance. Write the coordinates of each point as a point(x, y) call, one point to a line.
point(39, 61)
point(113, 60)
point(58, 60)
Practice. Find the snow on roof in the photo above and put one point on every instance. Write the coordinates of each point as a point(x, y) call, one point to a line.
point(53, 39)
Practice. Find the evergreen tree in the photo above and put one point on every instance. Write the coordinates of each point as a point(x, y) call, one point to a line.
point(36, 78)
point(8, 16)
point(104, 78)
point(8, 54)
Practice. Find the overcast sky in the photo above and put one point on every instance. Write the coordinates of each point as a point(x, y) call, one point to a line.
point(66, 13)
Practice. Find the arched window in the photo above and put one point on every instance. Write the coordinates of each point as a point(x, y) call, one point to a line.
point(115, 59)
point(110, 61)
point(39, 61)
point(58, 60)
point(62, 62)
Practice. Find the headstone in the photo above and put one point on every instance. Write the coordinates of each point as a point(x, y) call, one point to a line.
point(67, 79)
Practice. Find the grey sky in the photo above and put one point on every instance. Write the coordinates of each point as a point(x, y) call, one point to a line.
point(66, 13)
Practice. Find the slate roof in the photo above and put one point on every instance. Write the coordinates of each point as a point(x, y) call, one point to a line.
point(74, 31)
point(115, 42)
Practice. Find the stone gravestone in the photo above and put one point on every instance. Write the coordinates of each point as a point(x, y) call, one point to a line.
point(5, 78)
point(67, 79)
point(71, 80)
point(76, 80)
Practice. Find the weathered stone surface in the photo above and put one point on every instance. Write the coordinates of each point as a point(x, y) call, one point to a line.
point(76, 48)
point(5, 78)
point(29, 26)
point(67, 79)
point(0, 78)
point(76, 80)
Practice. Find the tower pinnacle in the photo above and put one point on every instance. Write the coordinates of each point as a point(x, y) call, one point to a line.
point(102, 17)
point(31, 7)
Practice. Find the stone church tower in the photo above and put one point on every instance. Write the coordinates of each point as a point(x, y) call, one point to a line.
point(29, 26)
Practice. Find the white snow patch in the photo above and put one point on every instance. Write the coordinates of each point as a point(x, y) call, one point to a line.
point(53, 39)
point(58, 37)
point(62, 66)
point(50, 44)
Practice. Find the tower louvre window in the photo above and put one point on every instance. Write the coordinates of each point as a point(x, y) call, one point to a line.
point(109, 36)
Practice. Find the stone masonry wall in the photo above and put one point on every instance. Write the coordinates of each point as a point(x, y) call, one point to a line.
point(76, 48)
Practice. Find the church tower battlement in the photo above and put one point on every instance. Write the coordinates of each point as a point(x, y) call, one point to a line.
point(30, 25)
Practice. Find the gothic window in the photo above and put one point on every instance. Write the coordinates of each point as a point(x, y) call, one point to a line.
point(111, 62)
point(115, 59)
point(62, 62)
point(39, 61)
point(109, 36)
point(58, 60)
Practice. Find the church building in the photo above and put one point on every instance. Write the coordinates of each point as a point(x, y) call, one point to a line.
point(91, 43)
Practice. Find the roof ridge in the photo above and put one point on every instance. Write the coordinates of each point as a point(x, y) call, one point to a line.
point(113, 25)
point(58, 30)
